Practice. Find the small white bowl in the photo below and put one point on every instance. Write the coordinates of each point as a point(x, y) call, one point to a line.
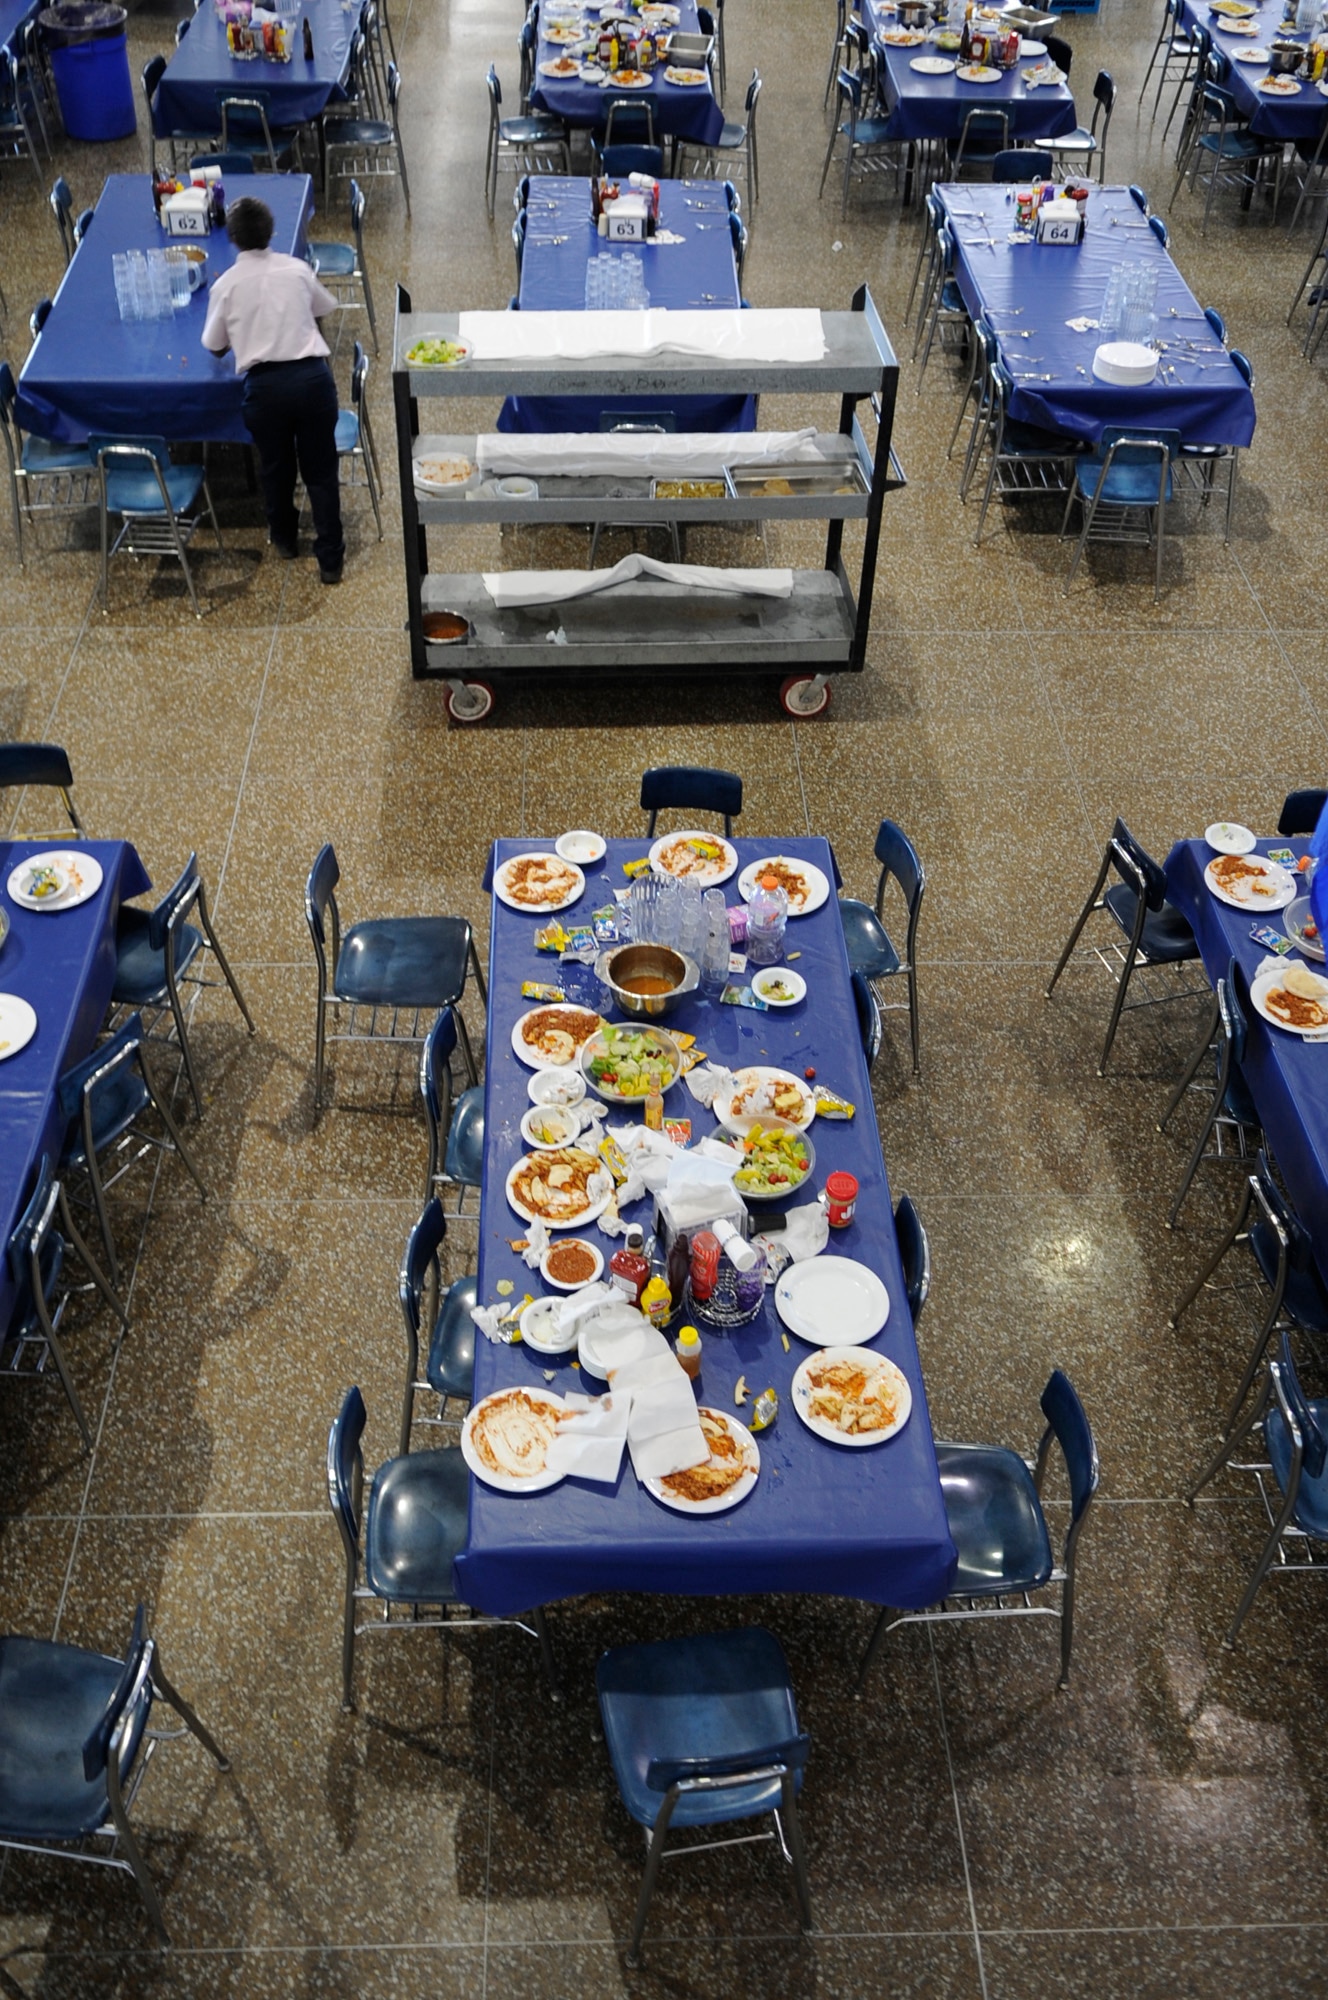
point(565, 1115)
point(556, 1086)
point(517, 487)
point(580, 846)
point(563, 1284)
point(538, 1332)
point(779, 975)
point(1228, 838)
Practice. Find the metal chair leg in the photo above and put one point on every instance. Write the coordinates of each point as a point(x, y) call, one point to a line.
point(793, 1832)
point(1187, 1299)
point(1261, 1569)
point(187, 1714)
point(654, 1860)
point(874, 1645)
point(1093, 903)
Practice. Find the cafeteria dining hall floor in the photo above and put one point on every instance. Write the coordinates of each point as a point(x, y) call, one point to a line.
point(1160, 1829)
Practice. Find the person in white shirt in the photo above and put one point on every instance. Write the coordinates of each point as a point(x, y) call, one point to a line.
point(266, 310)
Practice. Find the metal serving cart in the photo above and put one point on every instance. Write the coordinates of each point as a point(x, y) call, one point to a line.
point(819, 631)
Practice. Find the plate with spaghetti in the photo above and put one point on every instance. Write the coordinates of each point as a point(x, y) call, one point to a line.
point(723, 1480)
point(806, 886)
point(538, 882)
point(552, 1037)
point(694, 856)
point(848, 1395)
point(561, 1189)
point(505, 1439)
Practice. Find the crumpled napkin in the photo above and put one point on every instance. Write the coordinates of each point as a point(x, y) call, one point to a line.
point(537, 1242)
point(583, 1305)
point(489, 1320)
point(706, 1081)
point(667, 236)
point(805, 1234)
point(590, 1438)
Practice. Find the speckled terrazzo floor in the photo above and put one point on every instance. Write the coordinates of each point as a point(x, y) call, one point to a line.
point(1159, 1831)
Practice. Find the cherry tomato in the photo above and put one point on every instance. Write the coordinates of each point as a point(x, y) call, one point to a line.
point(809, 1073)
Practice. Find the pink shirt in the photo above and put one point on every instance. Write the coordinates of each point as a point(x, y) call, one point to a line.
point(267, 308)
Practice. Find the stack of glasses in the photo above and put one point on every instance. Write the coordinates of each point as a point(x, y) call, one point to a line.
point(615, 280)
point(668, 912)
point(150, 284)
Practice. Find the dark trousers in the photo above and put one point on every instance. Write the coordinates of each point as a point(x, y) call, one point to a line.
point(290, 412)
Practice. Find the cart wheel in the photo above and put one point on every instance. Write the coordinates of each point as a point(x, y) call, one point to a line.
point(801, 698)
point(469, 701)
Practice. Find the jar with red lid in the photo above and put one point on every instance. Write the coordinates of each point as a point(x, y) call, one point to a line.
point(841, 1199)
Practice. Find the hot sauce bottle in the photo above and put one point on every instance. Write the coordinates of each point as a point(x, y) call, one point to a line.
point(628, 1268)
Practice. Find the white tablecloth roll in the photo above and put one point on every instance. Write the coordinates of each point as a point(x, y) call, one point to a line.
point(512, 587)
point(785, 333)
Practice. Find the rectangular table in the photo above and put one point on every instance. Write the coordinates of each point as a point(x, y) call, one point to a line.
point(935, 107)
point(1288, 1078)
point(561, 238)
point(866, 1523)
point(1269, 117)
point(62, 962)
point(92, 371)
point(681, 111)
point(13, 16)
point(1049, 285)
point(203, 71)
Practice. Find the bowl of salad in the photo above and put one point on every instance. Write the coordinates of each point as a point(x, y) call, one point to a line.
point(623, 1065)
point(435, 351)
point(776, 1160)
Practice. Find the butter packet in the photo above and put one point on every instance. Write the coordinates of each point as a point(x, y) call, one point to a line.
point(690, 1058)
point(679, 1130)
point(612, 1155)
point(537, 989)
point(830, 1106)
point(551, 937)
point(742, 996)
point(631, 869)
point(604, 924)
point(581, 944)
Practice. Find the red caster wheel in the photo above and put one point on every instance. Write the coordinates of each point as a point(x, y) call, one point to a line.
point(805, 695)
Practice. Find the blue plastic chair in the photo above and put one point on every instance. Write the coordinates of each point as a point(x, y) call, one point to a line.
point(75, 1741)
point(450, 1368)
point(1128, 474)
point(1295, 1435)
point(154, 498)
point(868, 1010)
point(1157, 933)
point(534, 143)
point(1283, 1251)
point(701, 1732)
point(993, 1505)
point(871, 142)
point(62, 208)
point(1139, 198)
point(914, 1255)
point(1232, 1108)
point(1086, 143)
point(737, 137)
point(102, 1099)
point(414, 1529)
point(1159, 228)
point(1218, 145)
point(1301, 811)
point(620, 161)
point(397, 965)
point(36, 1256)
point(870, 948)
point(44, 477)
point(1023, 460)
point(457, 1132)
point(1022, 163)
point(230, 165)
point(44, 764)
point(354, 433)
point(690, 788)
point(154, 950)
point(342, 267)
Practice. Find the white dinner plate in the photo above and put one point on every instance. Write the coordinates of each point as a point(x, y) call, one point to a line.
point(1255, 57)
point(817, 882)
point(540, 1330)
point(505, 1482)
point(832, 1298)
point(708, 874)
point(978, 73)
point(821, 1426)
point(18, 1025)
point(720, 1502)
point(1295, 917)
point(739, 1120)
point(793, 984)
point(550, 1115)
point(933, 65)
point(504, 874)
point(577, 1221)
point(626, 79)
point(532, 1057)
point(1281, 886)
point(1266, 982)
point(1278, 86)
point(1027, 48)
point(1237, 27)
point(1224, 836)
point(83, 871)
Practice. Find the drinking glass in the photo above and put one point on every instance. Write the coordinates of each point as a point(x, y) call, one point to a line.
point(645, 909)
point(177, 264)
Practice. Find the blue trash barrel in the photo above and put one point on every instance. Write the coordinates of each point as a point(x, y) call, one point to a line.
point(90, 63)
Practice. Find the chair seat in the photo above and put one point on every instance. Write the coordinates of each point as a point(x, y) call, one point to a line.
point(359, 132)
point(335, 260)
point(733, 136)
point(403, 962)
point(1230, 145)
point(528, 131)
point(416, 1527)
point(348, 430)
point(996, 1520)
point(1167, 938)
point(133, 492)
point(1127, 485)
point(140, 971)
point(1078, 141)
point(715, 1695)
point(1312, 1499)
point(451, 1365)
point(870, 951)
point(464, 1157)
point(116, 1103)
point(45, 455)
point(1304, 1298)
point(952, 299)
point(51, 1699)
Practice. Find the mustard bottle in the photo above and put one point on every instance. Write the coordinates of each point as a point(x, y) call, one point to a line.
point(657, 1301)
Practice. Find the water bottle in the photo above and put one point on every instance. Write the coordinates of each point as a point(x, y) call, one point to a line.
point(767, 914)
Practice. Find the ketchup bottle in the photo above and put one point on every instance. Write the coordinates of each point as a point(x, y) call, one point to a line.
point(628, 1268)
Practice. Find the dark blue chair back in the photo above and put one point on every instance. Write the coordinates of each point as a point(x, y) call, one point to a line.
point(1233, 1000)
point(914, 1254)
point(693, 787)
point(896, 852)
point(1022, 163)
point(1301, 810)
point(343, 1465)
point(96, 1747)
point(28, 1234)
point(117, 1048)
point(1065, 1413)
point(1300, 1251)
point(1159, 228)
point(31, 763)
point(619, 161)
point(181, 895)
point(439, 1048)
point(1314, 1444)
point(319, 890)
point(422, 1247)
point(1139, 198)
point(1150, 872)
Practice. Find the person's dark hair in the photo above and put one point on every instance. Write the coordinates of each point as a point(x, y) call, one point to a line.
point(249, 223)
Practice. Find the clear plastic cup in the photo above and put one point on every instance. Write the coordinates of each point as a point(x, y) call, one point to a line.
point(177, 265)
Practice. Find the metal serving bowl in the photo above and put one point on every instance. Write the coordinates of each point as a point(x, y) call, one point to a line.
point(651, 961)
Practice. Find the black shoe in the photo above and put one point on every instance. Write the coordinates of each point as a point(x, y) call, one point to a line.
point(286, 549)
point(329, 575)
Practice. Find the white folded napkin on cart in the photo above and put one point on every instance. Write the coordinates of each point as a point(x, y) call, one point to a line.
point(515, 587)
point(783, 333)
point(645, 455)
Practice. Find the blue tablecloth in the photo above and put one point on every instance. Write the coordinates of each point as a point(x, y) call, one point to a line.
point(13, 14)
point(1288, 1078)
point(866, 1523)
point(1212, 404)
point(203, 71)
point(63, 964)
point(935, 107)
point(1298, 117)
point(699, 272)
point(92, 371)
point(683, 111)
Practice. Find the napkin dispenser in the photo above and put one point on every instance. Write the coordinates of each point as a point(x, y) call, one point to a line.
point(626, 218)
point(1060, 222)
point(186, 214)
point(726, 1205)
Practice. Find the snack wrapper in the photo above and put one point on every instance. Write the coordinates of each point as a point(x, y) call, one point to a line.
point(612, 1155)
point(536, 989)
point(604, 924)
point(764, 1410)
point(830, 1106)
point(679, 1130)
point(683, 1041)
point(631, 869)
point(581, 944)
point(551, 937)
point(742, 996)
point(690, 1058)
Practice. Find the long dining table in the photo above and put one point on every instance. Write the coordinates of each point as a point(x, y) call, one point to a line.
point(1285, 114)
point(203, 71)
point(62, 962)
point(1031, 293)
point(865, 1523)
point(686, 112)
point(935, 107)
